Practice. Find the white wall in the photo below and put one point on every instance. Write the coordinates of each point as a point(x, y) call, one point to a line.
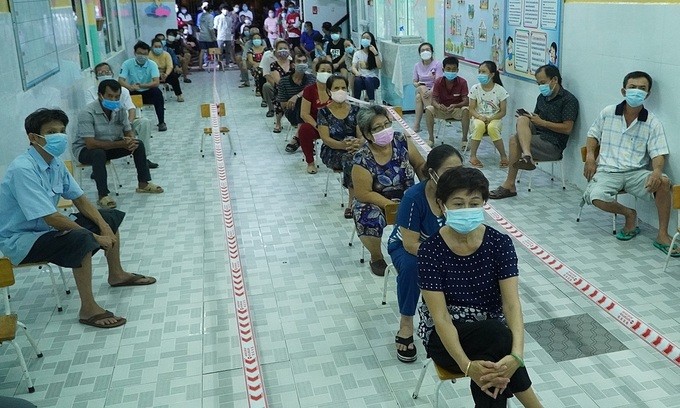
point(328, 10)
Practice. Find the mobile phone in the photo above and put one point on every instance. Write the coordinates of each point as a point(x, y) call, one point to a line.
point(523, 111)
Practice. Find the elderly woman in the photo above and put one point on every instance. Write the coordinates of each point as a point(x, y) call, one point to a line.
point(424, 73)
point(418, 218)
point(337, 124)
point(383, 170)
point(281, 67)
point(471, 318)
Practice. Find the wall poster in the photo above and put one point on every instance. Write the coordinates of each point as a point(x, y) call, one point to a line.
point(474, 30)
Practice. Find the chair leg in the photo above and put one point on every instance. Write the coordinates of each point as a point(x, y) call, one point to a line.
point(670, 249)
point(231, 142)
point(531, 179)
point(564, 186)
point(63, 280)
point(389, 268)
point(328, 177)
point(38, 353)
point(436, 393)
point(116, 180)
point(580, 209)
point(614, 224)
point(421, 377)
point(202, 142)
point(54, 287)
point(363, 254)
point(342, 194)
point(351, 238)
point(24, 367)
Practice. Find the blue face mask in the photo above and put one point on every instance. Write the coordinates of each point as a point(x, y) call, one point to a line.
point(483, 79)
point(55, 144)
point(291, 10)
point(635, 97)
point(544, 89)
point(365, 42)
point(141, 59)
point(163, 42)
point(157, 51)
point(465, 220)
point(110, 105)
point(349, 49)
point(335, 36)
point(450, 75)
point(257, 42)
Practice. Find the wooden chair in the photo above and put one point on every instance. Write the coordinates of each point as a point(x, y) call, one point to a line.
point(207, 131)
point(9, 321)
point(443, 376)
point(676, 205)
point(584, 152)
point(214, 55)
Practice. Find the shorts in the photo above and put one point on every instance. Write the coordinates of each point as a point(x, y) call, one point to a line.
point(204, 45)
point(543, 150)
point(605, 186)
point(68, 248)
point(457, 113)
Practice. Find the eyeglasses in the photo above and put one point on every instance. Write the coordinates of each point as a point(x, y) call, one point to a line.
point(384, 126)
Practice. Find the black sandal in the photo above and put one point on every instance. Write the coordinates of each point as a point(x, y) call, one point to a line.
point(292, 146)
point(525, 163)
point(408, 355)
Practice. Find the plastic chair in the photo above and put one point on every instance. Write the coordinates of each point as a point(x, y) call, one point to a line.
point(443, 376)
point(342, 188)
point(676, 205)
point(50, 272)
point(205, 113)
point(9, 321)
point(552, 172)
point(112, 169)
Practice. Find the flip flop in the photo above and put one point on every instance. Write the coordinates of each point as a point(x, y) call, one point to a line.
point(349, 213)
point(408, 355)
point(107, 202)
point(503, 163)
point(92, 321)
point(665, 248)
point(135, 281)
point(525, 163)
point(476, 163)
point(622, 235)
point(150, 188)
point(277, 130)
point(500, 193)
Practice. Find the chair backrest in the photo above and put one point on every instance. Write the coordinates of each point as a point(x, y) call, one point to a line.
point(584, 152)
point(676, 199)
point(137, 101)
point(214, 51)
point(69, 166)
point(391, 213)
point(205, 110)
point(6, 273)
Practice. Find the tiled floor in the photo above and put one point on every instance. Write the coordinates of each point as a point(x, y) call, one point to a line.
point(324, 339)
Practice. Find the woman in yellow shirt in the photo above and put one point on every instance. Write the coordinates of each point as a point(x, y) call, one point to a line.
point(166, 68)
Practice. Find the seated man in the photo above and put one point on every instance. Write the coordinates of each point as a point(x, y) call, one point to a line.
point(142, 77)
point(289, 95)
point(166, 68)
point(105, 133)
point(33, 230)
point(542, 135)
point(628, 136)
point(181, 50)
point(449, 100)
point(141, 126)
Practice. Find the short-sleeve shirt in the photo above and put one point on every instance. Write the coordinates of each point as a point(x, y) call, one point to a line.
point(470, 283)
point(415, 214)
point(307, 40)
point(293, 20)
point(92, 122)
point(336, 51)
point(134, 73)
point(223, 25)
point(560, 108)
point(287, 86)
point(359, 57)
point(266, 64)
point(126, 103)
point(488, 102)
point(426, 74)
point(626, 148)
point(206, 23)
point(30, 191)
point(163, 61)
point(271, 26)
point(278, 68)
point(448, 92)
point(311, 94)
point(257, 56)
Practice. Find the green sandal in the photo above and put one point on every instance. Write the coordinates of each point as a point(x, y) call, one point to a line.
point(675, 253)
point(627, 236)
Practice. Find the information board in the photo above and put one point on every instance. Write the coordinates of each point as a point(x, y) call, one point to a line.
point(35, 40)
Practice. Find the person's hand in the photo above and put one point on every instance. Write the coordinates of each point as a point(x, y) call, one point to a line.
point(106, 231)
point(373, 50)
point(536, 120)
point(163, 76)
point(427, 93)
point(589, 169)
point(134, 87)
point(177, 70)
point(486, 374)
point(131, 143)
point(105, 241)
point(653, 182)
point(509, 365)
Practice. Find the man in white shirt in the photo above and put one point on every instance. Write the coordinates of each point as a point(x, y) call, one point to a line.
point(141, 126)
point(225, 36)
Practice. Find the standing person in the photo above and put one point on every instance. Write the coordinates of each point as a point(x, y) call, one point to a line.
point(449, 100)
point(335, 48)
point(186, 18)
point(488, 101)
point(365, 65)
point(293, 26)
point(165, 68)
point(424, 73)
point(271, 27)
point(225, 36)
point(206, 34)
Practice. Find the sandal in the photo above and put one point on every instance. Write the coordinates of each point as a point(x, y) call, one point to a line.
point(500, 193)
point(624, 235)
point(134, 280)
point(292, 146)
point(92, 321)
point(311, 169)
point(463, 145)
point(675, 253)
point(474, 162)
point(349, 214)
point(378, 267)
point(277, 130)
point(150, 188)
point(107, 202)
point(503, 163)
point(525, 163)
point(263, 104)
point(408, 355)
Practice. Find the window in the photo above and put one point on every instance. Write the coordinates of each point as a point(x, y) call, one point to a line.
point(406, 16)
point(108, 26)
point(135, 18)
point(77, 6)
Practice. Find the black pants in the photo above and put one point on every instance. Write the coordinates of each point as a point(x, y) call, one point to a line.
point(153, 96)
point(488, 340)
point(97, 159)
point(173, 81)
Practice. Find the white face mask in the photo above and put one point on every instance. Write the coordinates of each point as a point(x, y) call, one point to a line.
point(426, 55)
point(339, 96)
point(323, 76)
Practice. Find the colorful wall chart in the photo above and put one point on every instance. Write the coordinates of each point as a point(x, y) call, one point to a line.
point(532, 35)
point(474, 30)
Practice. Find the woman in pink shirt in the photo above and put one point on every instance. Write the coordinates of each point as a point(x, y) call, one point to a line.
point(424, 74)
point(271, 27)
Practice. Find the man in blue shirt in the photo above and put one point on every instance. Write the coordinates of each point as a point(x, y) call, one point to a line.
point(141, 77)
point(33, 230)
point(307, 38)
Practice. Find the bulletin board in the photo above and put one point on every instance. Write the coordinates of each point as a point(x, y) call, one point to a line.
point(35, 40)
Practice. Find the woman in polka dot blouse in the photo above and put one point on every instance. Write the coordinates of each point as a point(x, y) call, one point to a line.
point(471, 318)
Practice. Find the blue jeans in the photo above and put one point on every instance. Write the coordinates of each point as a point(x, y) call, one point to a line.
point(370, 84)
point(408, 291)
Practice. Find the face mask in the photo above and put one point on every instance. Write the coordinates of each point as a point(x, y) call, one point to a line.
point(300, 68)
point(245, 8)
point(465, 220)
point(349, 49)
point(365, 42)
point(56, 144)
point(271, 15)
point(635, 97)
point(384, 137)
point(450, 75)
point(257, 42)
point(157, 51)
point(246, 33)
point(323, 76)
point(283, 53)
point(224, 12)
point(171, 38)
point(339, 96)
point(483, 79)
point(335, 36)
point(425, 55)
point(104, 77)
point(141, 59)
point(184, 11)
point(291, 10)
point(544, 89)
point(236, 9)
point(110, 105)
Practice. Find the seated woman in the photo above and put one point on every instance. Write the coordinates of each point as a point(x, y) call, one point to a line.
point(471, 319)
point(166, 68)
point(314, 97)
point(255, 54)
point(349, 56)
point(418, 218)
point(365, 65)
point(488, 101)
point(337, 124)
point(383, 170)
point(281, 67)
point(424, 74)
